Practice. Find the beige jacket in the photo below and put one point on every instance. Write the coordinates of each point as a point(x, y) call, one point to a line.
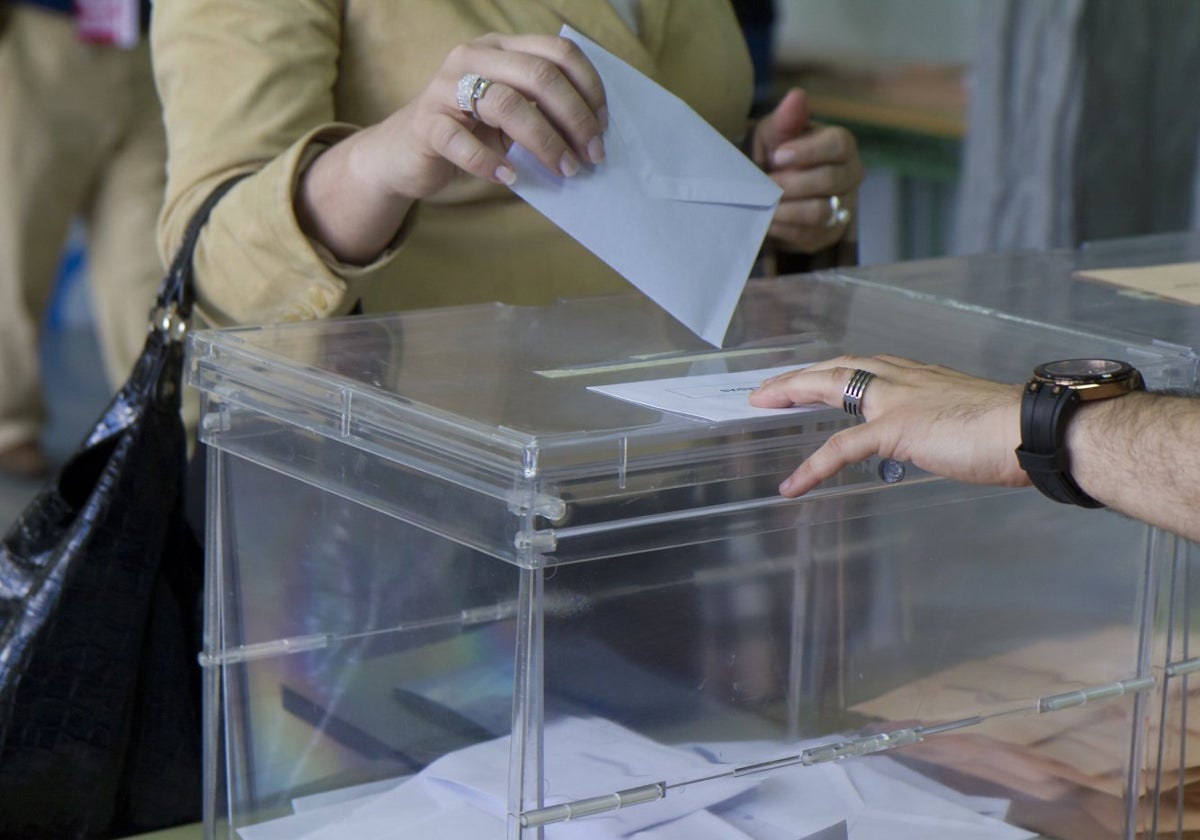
point(259, 84)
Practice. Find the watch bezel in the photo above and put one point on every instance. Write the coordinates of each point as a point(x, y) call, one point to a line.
point(1092, 382)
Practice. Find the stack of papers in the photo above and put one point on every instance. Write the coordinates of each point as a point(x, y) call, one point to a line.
point(1065, 771)
point(463, 796)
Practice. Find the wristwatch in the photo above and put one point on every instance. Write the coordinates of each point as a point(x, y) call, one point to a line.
point(1051, 397)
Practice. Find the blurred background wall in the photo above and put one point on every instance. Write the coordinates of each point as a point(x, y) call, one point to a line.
point(898, 30)
point(1005, 124)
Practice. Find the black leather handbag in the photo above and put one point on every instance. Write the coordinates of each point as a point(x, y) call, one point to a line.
point(101, 586)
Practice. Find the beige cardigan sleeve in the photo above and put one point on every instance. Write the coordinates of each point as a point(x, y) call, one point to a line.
point(247, 86)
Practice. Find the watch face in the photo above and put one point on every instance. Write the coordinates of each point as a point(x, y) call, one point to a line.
point(1087, 370)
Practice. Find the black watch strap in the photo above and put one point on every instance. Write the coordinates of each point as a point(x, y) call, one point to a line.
point(1045, 410)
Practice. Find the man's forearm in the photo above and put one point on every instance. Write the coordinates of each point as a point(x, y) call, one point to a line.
point(1140, 455)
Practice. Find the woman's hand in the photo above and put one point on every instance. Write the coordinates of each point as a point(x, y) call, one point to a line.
point(941, 420)
point(814, 164)
point(542, 93)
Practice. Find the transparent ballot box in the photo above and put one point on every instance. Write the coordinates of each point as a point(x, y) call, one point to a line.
point(1142, 288)
point(456, 592)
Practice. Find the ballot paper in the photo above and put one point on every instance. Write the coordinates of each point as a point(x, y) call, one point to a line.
point(463, 796)
point(675, 208)
point(700, 824)
point(877, 799)
point(714, 396)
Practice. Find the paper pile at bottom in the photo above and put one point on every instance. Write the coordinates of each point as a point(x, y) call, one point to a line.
point(463, 796)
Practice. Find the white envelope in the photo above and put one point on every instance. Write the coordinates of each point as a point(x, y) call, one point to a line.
point(675, 208)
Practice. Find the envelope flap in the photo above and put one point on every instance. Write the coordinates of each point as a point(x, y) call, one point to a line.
point(691, 174)
point(711, 191)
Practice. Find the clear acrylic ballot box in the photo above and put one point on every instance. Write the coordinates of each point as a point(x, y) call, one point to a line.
point(455, 592)
point(1144, 288)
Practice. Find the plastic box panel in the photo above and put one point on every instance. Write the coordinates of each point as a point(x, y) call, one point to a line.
point(433, 552)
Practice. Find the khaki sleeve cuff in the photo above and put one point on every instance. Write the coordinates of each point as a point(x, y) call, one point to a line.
point(317, 142)
point(255, 265)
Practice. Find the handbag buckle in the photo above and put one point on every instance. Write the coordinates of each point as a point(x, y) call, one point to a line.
point(167, 321)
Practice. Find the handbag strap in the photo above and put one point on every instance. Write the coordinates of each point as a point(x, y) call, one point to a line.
point(173, 307)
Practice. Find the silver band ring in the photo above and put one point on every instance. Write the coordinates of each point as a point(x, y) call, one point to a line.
point(853, 393)
point(470, 88)
point(477, 93)
point(838, 215)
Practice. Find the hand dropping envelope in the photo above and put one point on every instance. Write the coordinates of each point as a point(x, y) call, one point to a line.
point(675, 208)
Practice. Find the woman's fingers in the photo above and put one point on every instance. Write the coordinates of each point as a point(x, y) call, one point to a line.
point(820, 146)
point(458, 144)
point(566, 55)
point(543, 93)
point(536, 90)
point(812, 169)
point(525, 123)
point(810, 224)
point(797, 214)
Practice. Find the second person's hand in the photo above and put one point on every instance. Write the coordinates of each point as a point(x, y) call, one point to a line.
point(819, 170)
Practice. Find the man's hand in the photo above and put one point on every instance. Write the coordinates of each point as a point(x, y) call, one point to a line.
point(936, 418)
